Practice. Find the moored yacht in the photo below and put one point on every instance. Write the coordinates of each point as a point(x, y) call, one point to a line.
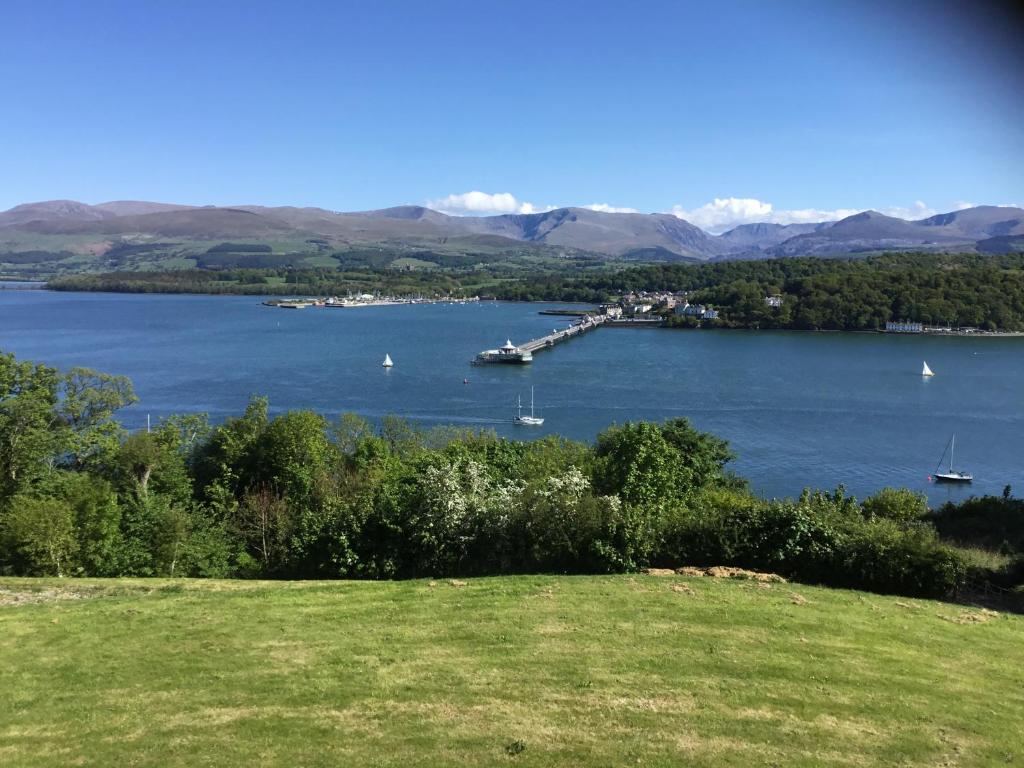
point(527, 421)
point(950, 475)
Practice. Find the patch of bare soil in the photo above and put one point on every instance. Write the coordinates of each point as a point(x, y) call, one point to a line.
point(9, 596)
point(689, 570)
point(726, 572)
point(979, 616)
point(686, 589)
point(908, 606)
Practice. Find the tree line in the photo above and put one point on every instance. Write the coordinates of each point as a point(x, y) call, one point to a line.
point(300, 496)
point(824, 294)
point(974, 290)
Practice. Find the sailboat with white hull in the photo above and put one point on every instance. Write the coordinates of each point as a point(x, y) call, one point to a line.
point(951, 476)
point(528, 421)
point(926, 371)
point(388, 363)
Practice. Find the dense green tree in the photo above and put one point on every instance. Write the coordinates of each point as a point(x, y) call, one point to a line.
point(39, 535)
point(31, 436)
point(224, 462)
point(87, 402)
point(97, 519)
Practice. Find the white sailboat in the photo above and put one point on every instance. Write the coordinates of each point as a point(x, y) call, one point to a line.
point(951, 476)
point(387, 361)
point(926, 371)
point(531, 420)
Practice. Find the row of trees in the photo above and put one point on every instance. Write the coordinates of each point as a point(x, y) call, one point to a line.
point(298, 496)
point(830, 294)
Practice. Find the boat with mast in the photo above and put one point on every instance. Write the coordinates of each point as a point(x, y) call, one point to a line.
point(387, 361)
point(531, 420)
point(950, 476)
point(926, 371)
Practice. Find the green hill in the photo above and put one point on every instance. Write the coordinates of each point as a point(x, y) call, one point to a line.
point(531, 671)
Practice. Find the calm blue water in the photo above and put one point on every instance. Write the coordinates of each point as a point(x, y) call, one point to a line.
point(799, 408)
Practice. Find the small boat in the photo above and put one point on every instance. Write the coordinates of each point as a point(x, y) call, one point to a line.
point(387, 362)
point(527, 421)
point(950, 476)
point(926, 371)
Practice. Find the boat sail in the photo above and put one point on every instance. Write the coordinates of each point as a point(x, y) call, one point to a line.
point(951, 476)
point(531, 420)
point(926, 371)
point(387, 361)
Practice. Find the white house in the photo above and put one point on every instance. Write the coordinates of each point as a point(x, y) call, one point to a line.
point(903, 326)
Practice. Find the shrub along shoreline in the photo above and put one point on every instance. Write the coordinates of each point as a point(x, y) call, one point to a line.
point(298, 496)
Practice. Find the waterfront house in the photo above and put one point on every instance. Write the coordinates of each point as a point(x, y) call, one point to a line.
point(903, 326)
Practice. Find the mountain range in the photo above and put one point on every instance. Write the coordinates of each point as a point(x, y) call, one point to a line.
point(76, 229)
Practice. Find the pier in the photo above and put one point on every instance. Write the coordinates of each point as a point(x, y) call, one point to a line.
point(556, 337)
point(523, 353)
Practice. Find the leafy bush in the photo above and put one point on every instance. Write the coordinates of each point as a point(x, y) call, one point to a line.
point(992, 522)
point(897, 504)
point(821, 538)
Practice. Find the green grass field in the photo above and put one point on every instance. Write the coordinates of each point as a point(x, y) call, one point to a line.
point(529, 671)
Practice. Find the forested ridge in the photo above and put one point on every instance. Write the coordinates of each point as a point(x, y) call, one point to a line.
point(300, 496)
point(826, 294)
point(971, 290)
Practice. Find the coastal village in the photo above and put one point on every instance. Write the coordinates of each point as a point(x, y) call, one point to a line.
point(634, 308)
point(365, 300)
point(659, 302)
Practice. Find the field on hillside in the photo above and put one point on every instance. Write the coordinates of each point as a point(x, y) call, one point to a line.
point(529, 671)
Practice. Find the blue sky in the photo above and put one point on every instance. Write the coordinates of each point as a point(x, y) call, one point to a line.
point(779, 110)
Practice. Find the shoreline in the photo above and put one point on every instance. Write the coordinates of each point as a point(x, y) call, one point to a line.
point(309, 300)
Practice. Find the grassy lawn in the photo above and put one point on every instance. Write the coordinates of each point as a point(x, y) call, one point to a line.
point(322, 260)
point(529, 671)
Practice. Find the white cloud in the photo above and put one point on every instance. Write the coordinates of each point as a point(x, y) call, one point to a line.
point(918, 210)
point(725, 213)
point(605, 208)
point(720, 215)
point(483, 204)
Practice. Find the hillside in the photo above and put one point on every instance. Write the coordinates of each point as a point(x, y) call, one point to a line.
point(765, 234)
point(531, 671)
point(63, 236)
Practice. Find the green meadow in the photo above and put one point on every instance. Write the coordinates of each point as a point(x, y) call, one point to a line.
point(643, 670)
